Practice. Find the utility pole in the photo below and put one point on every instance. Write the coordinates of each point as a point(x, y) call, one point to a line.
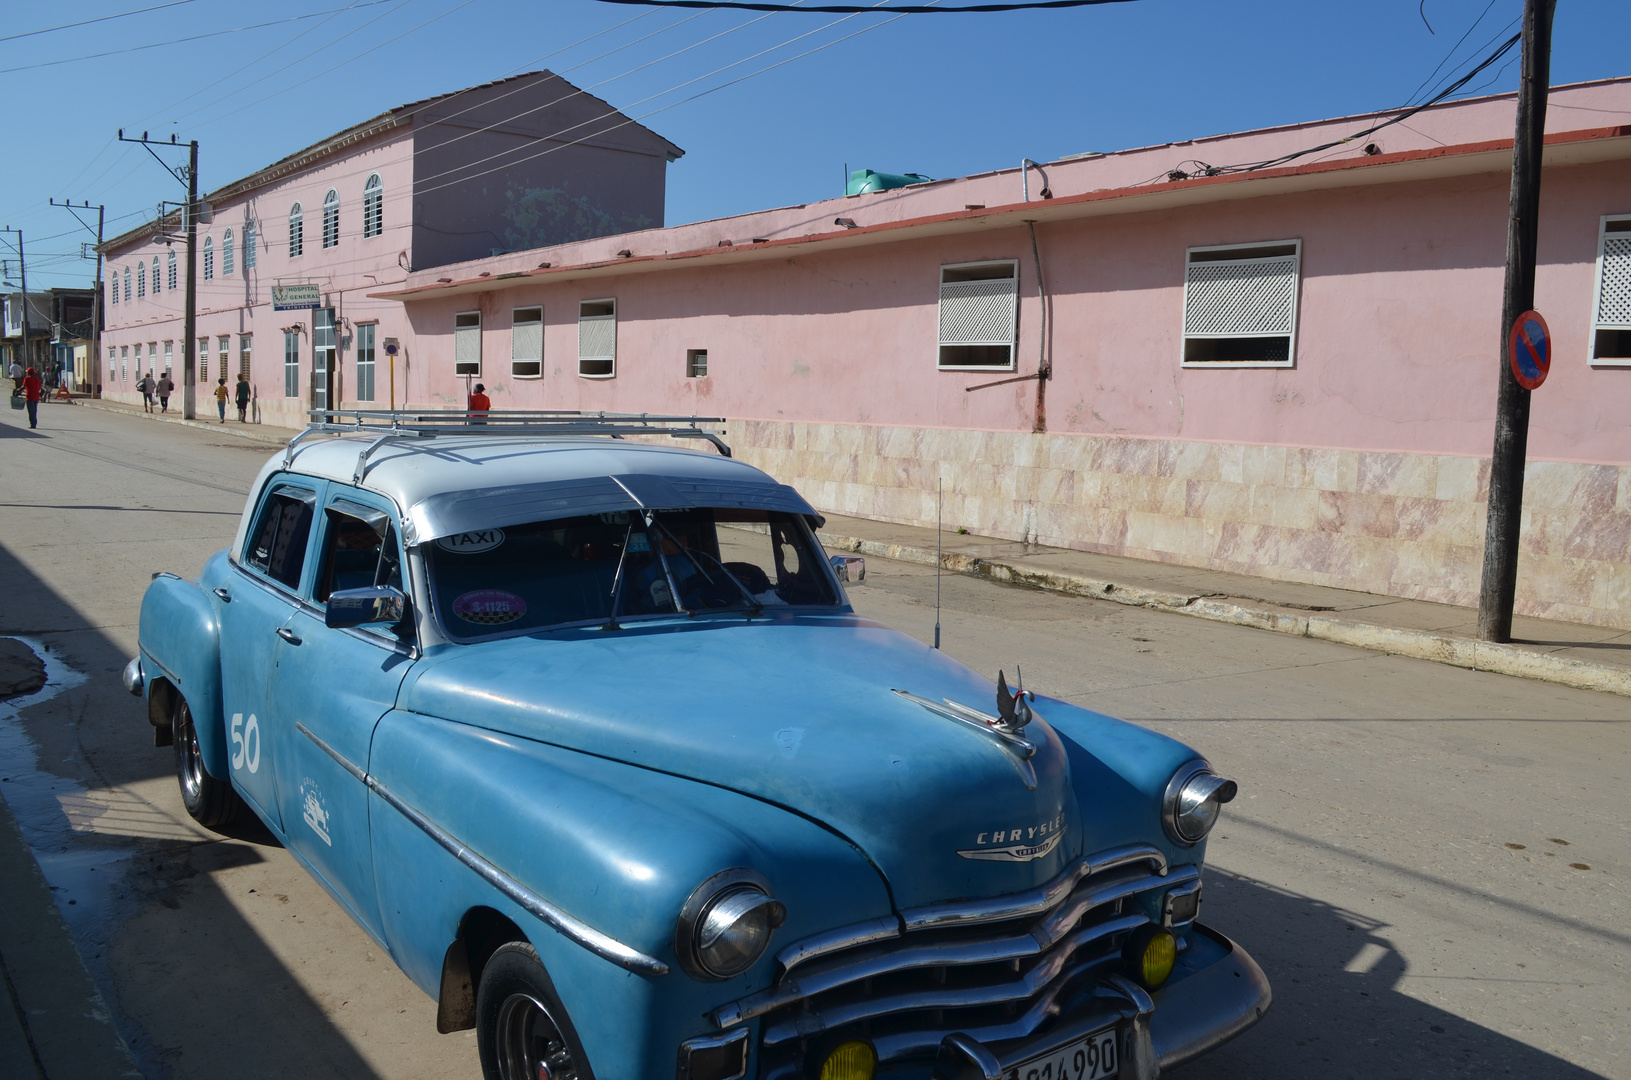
point(94, 368)
point(1505, 511)
point(22, 272)
point(187, 174)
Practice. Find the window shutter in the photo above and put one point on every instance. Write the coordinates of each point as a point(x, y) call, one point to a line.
point(978, 312)
point(467, 343)
point(1240, 304)
point(597, 339)
point(527, 343)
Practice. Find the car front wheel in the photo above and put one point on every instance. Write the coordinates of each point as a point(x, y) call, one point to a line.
point(211, 802)
point(521, 1026)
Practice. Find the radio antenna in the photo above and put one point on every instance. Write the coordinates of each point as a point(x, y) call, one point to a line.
point(939, 513)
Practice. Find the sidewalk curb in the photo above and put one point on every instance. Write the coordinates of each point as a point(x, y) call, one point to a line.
point(1452, 649)
point(223, 429)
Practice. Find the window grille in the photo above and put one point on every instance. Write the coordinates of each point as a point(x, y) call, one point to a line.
point(597, 339)
point(246, 343)
point(1611, 320)
point(224, 346)
point(141, 280)
point(331, 219)
point(467, 343)
point(979, 316)
point(124, 363)
point(249, 245)
point(152, 357)
point(113, 366)
point(365, 361)
point(291, 363)
point(1240, 304)
point(127, 284)
point(696, 363)
point(155, 275)
point(373, 207)
point(527, 343)
point(297, 232)
point(209, 258)
point(203, 373)
point(169, 357)
point(170, 272)
point(113, 289)
point(226, 254)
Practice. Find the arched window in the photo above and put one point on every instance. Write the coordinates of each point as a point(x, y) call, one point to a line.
point(114, 290)
point(156, 275)
point(373, 207)
point(209, 258)
point(170, 272)
point(226, 254)
point(297, 232)
point(249, 243)
point(331, 219)
point(141, 280)
point(127, 284)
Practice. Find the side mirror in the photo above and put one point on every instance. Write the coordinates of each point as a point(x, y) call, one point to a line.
point(849, 567)
point(375, 604)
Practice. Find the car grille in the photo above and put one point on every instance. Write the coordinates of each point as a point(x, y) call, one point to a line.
point(997, 969)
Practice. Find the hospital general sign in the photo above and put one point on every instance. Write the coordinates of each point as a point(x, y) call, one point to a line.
point(296, 297)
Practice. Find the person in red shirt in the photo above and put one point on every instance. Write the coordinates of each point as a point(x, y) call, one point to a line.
point(31, 392)
point(479, 404)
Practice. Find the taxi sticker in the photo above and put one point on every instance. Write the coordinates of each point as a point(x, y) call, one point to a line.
point(469, 543)
point(489, 606)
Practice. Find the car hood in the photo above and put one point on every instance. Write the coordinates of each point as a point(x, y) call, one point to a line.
point(800, 712)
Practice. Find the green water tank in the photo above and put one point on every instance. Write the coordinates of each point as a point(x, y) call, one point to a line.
point(864, 180)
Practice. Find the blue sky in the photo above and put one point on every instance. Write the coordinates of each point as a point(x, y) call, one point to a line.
point(943, 95)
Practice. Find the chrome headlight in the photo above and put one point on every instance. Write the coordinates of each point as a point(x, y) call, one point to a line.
point(726, 924)
point(1194, 797)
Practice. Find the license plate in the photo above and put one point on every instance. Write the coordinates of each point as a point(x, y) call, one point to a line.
point(1087, 1058)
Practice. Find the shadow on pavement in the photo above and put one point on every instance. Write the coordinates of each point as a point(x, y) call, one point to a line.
point(1338, 1008)
point(194, 988)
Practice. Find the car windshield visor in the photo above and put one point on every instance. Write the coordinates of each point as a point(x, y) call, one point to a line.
point(603, 568)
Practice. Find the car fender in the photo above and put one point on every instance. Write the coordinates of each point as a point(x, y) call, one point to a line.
point(614, 845)
point(179, 637)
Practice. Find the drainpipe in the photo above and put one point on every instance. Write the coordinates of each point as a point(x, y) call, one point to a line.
point(1044, 370)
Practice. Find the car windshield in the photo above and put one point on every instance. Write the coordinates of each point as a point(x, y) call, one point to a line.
point(605, 567)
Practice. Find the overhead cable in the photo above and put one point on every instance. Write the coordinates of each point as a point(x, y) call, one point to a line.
point(859, 9)
point(100, 19)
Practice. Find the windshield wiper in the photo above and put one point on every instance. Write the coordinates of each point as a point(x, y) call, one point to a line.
point(753, 602)
point(617, 581)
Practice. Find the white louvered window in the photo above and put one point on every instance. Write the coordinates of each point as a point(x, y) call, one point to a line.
point(169, 356)
point(979, 310)
point(124, 363)
point(141, 280)
point(373, 207)
point(1240, 305)
point(1611, 319)
point(209, 258)
point(170, 272)
point(331, 219)
point(155, 275)
point(527, 343)
point(467, 343)
point(297, 231)
point(249, 244)
point(127, 284)
point(226, 254)
point(597, 339)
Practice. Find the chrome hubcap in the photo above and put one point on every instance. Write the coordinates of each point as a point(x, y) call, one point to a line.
point(529, 1043)
point(192, 759)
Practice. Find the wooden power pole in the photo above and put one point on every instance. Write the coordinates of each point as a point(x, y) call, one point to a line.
point(1500, 580)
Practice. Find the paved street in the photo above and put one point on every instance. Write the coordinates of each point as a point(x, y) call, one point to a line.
point(1430, 863)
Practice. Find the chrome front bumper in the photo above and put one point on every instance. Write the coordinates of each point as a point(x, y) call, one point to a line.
point(1216, 992)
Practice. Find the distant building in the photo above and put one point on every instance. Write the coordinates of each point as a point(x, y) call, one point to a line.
point(1281, 366)
point(499, 167)
point(59, 321)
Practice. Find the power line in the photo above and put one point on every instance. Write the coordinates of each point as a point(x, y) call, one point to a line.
point(88, 22)
point(184, 40)
point(856, 9)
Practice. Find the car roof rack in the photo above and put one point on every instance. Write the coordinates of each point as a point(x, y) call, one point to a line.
point(388, 424)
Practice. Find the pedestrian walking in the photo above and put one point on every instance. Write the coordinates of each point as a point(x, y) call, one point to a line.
point(243, 397)
point(31, 392)
point(147, 386)
point(221, 397)
point(166, 387)
point(16, 373)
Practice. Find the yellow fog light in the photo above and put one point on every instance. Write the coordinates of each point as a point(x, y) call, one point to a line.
point(853, 1060)
point(1151, 954)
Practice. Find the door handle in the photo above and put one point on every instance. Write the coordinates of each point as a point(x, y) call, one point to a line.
point(225, 596)
point(288, 635)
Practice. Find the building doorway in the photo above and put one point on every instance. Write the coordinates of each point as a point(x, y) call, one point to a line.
point(322, 359)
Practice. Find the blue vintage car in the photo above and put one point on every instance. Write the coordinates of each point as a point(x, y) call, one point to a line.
point(584, 731)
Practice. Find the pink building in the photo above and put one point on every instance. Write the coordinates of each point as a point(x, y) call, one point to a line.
point(1287, 371)
point(498, 167)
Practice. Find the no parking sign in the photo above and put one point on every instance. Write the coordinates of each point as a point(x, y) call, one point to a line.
point(1529, 350)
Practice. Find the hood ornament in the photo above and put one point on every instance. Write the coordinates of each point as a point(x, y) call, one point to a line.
point(1014, 712)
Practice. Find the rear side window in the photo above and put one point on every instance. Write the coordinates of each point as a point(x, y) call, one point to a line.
point(277, 546)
